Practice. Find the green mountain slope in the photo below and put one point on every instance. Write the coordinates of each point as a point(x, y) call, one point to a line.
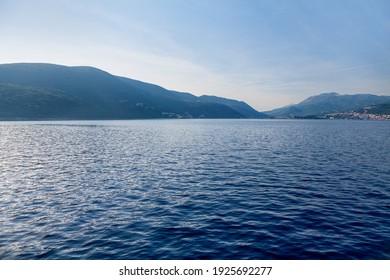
point(33, 102)
point(381, 109)
point(239, 106)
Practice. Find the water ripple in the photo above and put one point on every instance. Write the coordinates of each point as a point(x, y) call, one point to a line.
point(195, 189)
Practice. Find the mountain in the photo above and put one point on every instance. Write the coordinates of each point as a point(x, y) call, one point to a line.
point(25, 102)
point(240, 106)
point(380, 109)
point(158, 92)
point(328, 103)
point(48, 91)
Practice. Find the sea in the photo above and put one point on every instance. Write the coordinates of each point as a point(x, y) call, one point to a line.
point(195, 189)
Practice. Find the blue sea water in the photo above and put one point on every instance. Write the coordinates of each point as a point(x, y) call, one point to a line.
point(195, 189)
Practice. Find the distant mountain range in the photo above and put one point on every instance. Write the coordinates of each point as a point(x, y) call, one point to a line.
point(328, 103)
point(48, 91)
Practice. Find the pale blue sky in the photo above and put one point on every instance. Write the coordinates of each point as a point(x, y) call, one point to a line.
point(268, 53)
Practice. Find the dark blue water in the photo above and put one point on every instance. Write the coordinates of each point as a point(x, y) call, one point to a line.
point(195, 189)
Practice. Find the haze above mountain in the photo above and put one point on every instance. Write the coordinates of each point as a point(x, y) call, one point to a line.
point(48, 91)
point(328, 103)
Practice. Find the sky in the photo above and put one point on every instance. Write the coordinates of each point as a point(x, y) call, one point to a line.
point(268, 53)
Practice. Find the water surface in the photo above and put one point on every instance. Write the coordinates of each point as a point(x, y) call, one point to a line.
point(195, 189)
